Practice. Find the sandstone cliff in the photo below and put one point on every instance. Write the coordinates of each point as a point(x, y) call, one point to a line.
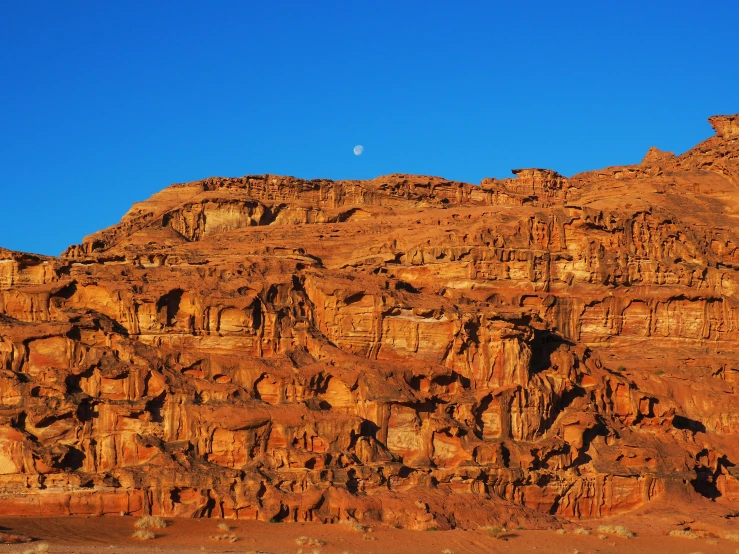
point(411, 350)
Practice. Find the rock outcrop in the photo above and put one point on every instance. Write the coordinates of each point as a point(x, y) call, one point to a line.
point(410, 350)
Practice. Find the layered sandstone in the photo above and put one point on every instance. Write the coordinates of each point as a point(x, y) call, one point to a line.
point(411, 350)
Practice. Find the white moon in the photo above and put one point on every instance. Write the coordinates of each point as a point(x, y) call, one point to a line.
point(358, 149)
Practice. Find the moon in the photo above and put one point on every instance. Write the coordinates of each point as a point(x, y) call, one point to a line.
point(358, 149)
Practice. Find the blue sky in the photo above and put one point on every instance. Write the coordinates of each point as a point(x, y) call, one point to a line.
point(105, 103)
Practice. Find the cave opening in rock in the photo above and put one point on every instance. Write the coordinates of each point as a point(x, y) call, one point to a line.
point(168, 306)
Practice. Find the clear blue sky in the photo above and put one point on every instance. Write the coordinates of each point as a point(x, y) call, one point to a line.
point(104, 103)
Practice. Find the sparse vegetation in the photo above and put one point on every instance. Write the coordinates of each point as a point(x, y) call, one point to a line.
point(305, 541)
point(619, 530)
point(683, 534)
point(224, 527)
point(447, 551)
point(354, 525)
point(225, 537)
point(37, 549)
point(602, 537)
point(151, 522)
point(144, 535)
point(496, 531)
point(369, 537)
point(582, 531)
point(732, 537)
point(561, 532)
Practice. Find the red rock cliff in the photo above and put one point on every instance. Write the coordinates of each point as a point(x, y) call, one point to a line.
point(423, 352)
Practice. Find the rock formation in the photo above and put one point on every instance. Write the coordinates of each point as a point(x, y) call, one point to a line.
point(410, 350)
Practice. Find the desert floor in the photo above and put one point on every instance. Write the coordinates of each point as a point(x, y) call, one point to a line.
point(113, 534)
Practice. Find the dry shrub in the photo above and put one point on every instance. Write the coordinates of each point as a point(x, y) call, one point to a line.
point(305, 541)
point(144, 535)
point(224, 527)
point(732, 537)
point(225, 537)
point(9, 538)
point(39, 548)
point(354, 525)
point(683, 534)
point(561, 532)
point(151, 522)
point(496, 531)
point(619, 530)
point(582, 531)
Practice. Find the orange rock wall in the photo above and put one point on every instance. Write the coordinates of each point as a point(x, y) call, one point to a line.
point(408, 350)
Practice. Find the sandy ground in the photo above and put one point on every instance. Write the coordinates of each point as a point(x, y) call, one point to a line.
point(113, 534)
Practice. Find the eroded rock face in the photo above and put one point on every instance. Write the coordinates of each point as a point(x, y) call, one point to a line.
point(726, 126)
point(410, 350)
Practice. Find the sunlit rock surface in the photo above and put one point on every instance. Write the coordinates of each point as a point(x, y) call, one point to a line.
point(410, 350)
